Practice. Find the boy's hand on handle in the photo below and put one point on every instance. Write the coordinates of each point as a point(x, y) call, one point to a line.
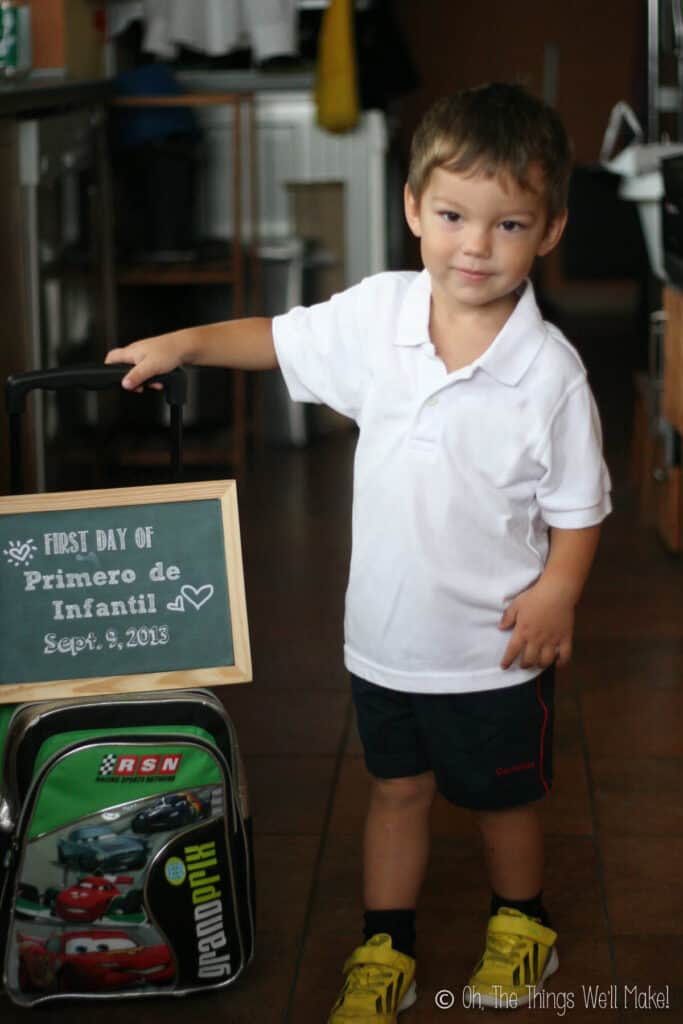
point(243, 344)
point(542, 624)
point(148, 358)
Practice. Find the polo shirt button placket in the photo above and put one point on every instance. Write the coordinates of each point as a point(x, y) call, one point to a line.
point(426, 431)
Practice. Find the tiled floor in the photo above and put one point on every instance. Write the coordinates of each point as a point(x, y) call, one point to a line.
point(614, 821)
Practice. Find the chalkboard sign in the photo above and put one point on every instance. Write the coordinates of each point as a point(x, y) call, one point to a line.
point(121, 590)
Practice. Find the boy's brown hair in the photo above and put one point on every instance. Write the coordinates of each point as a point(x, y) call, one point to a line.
point(494, 128)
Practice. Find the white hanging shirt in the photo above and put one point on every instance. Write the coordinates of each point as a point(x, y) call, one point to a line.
point(211, 26)
point(457, 475)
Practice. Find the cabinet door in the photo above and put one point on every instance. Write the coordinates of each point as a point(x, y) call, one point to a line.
point(643, 454)
point(668, 498)
point(672, 396)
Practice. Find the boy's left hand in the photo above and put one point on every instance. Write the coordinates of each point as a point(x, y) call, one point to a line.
point(542, 621)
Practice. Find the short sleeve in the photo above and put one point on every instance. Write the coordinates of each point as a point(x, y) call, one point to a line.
point(574, 491)
point(322, 352)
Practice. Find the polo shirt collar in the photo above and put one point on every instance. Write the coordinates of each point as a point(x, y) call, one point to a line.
point(513, 349)
point(413, 318)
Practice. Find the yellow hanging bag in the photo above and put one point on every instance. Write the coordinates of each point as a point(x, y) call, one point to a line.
point(336, 90)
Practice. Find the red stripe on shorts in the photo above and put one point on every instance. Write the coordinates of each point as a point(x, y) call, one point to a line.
point(544, 727)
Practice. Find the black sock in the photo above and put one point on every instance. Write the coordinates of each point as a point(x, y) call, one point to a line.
point(399, 924)
point(532, 908)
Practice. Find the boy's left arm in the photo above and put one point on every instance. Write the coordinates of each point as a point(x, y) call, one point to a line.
point(542, 617)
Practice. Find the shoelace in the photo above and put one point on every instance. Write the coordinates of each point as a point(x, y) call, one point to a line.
point(500, 948)
point(372, 978)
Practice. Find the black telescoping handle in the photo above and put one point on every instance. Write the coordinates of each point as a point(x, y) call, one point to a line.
point(88, 377)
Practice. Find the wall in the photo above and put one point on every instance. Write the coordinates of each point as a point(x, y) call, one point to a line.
point(65, 37)
point(47, 28)
point(601, 49)
point(602, 53)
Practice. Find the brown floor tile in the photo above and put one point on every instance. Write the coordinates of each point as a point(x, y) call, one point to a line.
point(292, 669)
point(154, 1009)
point(289, 795)
point(350, 798)
point(290, 722)
point(572, 887)
point(298, 646)
point(448, 820)
point(566, 810)
point(639, 795)
point(456, 879)
point(337, 912)
point(318, 984)
point(623, 586)
point(567, 738)
point(354, 747)
point(456, 885)
point(650, 964)
point(650, 662)
point(665, 1016)
point(643, 882)
point(616, 610)
point(266, 983)
point(341, 854)
point(284, 870)
point(634, 721)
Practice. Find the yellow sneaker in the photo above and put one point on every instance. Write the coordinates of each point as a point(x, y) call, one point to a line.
point(520, 954)
point(379, 983)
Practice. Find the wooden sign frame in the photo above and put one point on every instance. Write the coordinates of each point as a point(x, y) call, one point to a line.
point(239, 672)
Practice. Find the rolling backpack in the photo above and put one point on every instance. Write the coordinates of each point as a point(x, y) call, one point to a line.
point(126, 859)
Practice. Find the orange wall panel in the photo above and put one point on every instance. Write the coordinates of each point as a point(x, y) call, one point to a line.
point(47, 29)
point(601, 49)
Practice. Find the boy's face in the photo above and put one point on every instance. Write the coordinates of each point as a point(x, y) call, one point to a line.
point(479, 235)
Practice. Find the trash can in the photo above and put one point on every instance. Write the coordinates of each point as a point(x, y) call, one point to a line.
point(282, 276)
point(295, 271)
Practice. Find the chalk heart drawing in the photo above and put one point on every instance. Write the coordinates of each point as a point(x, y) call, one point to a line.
point(197, 596)
point(177, 605)
point(20, 553)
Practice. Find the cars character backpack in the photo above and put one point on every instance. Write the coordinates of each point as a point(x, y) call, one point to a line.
point(125, 847)
point(126, 864)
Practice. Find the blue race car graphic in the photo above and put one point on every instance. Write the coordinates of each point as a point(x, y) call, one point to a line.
point(171, 811)
point(99, 848)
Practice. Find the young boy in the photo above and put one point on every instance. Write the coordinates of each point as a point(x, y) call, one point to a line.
point(478, 493)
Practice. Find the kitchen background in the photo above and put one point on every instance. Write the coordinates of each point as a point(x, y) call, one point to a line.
point(283, 210)
point(165, 233)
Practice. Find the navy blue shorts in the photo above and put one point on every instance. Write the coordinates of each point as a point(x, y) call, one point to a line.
point(488, 750)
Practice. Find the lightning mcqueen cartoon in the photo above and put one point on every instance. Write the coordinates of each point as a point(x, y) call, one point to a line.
point(91, 961)
point(88, 899)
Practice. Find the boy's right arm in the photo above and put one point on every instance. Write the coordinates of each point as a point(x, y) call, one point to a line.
point(245, 344)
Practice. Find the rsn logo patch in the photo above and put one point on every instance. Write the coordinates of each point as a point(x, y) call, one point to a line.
point(133, 766)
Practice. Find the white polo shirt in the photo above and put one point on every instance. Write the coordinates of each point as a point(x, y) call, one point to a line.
point(457, 475)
